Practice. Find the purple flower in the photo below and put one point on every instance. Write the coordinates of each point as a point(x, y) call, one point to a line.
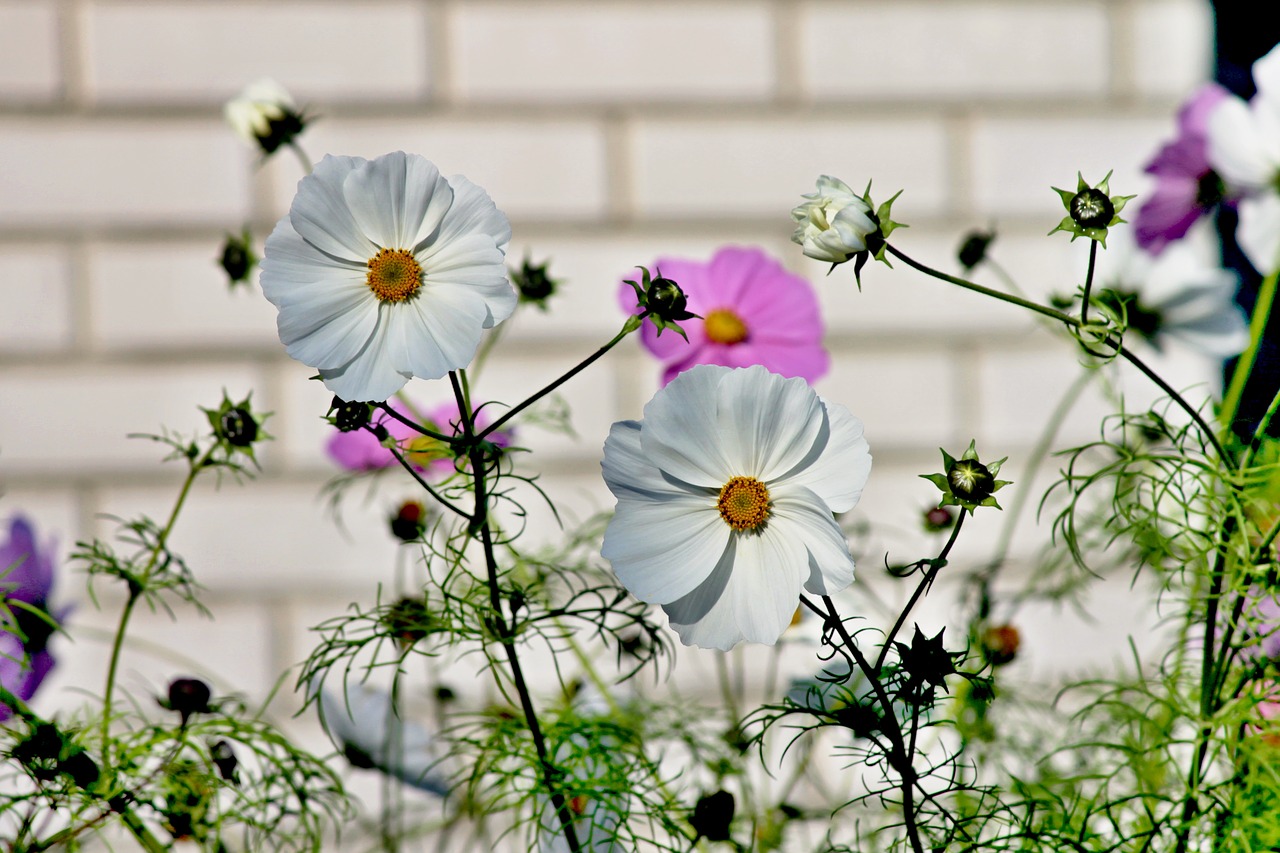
point(1187, 187)
point(26, 576)
point(753, 312)
point(360, 450)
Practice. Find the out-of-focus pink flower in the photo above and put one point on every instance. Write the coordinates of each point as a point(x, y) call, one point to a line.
point(753, 312)
point(26, 578)
point(360, 450)
point(1187, 187)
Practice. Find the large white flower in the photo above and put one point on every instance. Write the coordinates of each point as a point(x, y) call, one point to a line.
point(834, 223)
point(726, 493)
point(1244, 148)
point(383, 270)
point(366, 727)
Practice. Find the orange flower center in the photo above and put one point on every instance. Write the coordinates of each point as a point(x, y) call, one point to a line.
point(394, 275)
point(744, 503)
point(724, 327)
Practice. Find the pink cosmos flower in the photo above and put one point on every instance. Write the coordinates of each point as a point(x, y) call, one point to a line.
point(26, 576)
point(753, 312)
point(361, 451)
point(1187, 187)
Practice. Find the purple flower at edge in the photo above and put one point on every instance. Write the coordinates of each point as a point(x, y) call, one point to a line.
point(26, 575)
point(1186, 186)
point(753, 312)
point(360, 450)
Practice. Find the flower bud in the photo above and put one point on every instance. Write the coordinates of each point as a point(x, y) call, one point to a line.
point(238, 259)
point(833, 224)
point(712, 815)
point(224, 758)
point(973, 250)
point(938, 519)
point(409, 522)
point(534, 284)
point(82, 769)
point(408, 621)
point(1000, 644)
point(1090, 208)
point(188, 696)
point(348, 417)
point(970, 480)
point(237, 427)
point(265, 115)
point(665, 299)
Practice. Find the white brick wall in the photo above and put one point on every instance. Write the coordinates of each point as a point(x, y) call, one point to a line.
point(613, 132)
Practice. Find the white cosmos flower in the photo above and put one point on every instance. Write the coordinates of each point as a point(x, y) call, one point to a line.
point(368, 731)
point(1244, 148)
point(834, 223)
point(726, 492)
point(261, 102)
point(384, 270)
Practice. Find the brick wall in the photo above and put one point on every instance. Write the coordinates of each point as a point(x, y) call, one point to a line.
point(611, 131)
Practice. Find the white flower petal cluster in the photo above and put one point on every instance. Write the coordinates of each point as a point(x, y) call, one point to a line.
point(384, 270)
point(726, 493)
point(366, 723)
point(1244, 148)
point(834, 223)
point(251, 112)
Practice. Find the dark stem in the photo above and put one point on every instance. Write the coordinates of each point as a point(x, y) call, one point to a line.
point(1088, 283)
point(480, 522)
point(404, 463)
point(414, 425)
point(935, 566)
point(898, 756)
point(630, 326)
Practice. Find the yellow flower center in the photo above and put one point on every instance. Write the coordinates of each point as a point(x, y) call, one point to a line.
point(422, 450)
point(724, 327)
point(744, 503)
point(394, 275)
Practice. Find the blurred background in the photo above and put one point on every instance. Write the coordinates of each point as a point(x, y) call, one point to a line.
point(612, 132)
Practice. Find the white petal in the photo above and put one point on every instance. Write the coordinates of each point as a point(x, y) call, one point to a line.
point(321, 215)
point(371, 375)
point(473, 262)
point(842, 465)
point(681, 432)
point(631, 476)
point(1234, 148)
point(454, 321)
point(661, 550)
point(801, 515)
point(754, 601)
point(472, 212)
point(1259, 231)
point(768, 424)
point(396, 197)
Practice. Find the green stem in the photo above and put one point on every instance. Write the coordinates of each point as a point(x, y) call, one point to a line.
point(628, 327)
point(1244, 366)
point(136, 587)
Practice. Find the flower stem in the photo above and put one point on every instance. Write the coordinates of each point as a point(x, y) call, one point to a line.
point(628, 327)
point(1244, 366)
point(935, 566)
point(1088, 283)
point(136, 588)
point(480, 523)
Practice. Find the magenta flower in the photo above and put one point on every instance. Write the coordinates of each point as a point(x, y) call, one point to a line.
point(360, 450)
point(753, 312)
point(1187, 187)
point(26, 577)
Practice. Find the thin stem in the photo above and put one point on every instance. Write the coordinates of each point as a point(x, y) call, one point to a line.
point(414, 425)
point(1116, 345)
point(302, 156)
point(628, 327)
point(1259, 433)
point(899, 758)
point(935, 566)
point(1244, 366)
point(136, 588)
point(480, 521)
point(404, 463)
point(1088, 283)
